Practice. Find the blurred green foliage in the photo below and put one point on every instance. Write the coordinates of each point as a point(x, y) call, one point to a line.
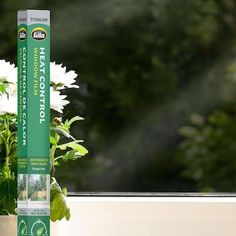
point(209, 150)
point(208, 147)
point(131, 63)
point(134, 58)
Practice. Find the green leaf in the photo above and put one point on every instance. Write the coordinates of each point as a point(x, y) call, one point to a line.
point(71, 155)
point(53, 140)
point(68, 123)
point(75, 146)
point(1, 140)
point(3, 211)
point(74, 119)
point(64, 190)
point(63, 131)
point(59, 208)
point(8, 193)
point(2, 126)
point(3, 87)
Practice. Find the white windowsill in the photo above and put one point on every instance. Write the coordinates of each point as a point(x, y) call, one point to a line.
point(150, 216)
point(154, 199)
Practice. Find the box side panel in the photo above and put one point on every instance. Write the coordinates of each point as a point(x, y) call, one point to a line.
point(34, 132)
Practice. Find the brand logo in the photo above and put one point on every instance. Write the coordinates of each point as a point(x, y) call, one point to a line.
point(39, 33)
point(38, 229)
point(22, 33)
point(22, 228)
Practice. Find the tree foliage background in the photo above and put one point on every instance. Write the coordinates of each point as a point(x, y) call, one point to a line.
point(157, 81)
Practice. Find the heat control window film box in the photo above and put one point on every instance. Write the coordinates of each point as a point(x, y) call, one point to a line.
point(33, 55)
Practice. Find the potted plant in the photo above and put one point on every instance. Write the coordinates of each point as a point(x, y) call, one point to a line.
point(64, 146)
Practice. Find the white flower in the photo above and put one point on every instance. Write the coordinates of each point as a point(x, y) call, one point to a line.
point(8, 103)
point(60, 78)
point(57, 101)
point(11, 88)
point(8, 72)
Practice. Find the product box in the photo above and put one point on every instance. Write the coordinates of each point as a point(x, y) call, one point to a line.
point(33, 55)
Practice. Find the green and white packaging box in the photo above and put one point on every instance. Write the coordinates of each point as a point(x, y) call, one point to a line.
point(33, 55)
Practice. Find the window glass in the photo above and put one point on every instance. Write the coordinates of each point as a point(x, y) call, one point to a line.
point(157, 92)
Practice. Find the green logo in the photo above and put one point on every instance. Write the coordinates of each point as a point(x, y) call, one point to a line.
point(39, 229)
point(22, 228)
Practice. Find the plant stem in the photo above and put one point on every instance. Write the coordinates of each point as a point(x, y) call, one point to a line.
point(7, 146)
point(52, 154)
point(57, 158)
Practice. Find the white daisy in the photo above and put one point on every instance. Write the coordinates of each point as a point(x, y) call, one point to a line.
point(8, 72)
point(8, 103)
point(11, 88)
point(60, 78)
point(57, 101)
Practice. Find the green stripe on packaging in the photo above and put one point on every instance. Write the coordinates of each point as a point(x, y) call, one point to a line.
point(33, 56)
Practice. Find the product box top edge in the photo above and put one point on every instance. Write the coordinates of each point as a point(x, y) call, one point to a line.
point(30, 17)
